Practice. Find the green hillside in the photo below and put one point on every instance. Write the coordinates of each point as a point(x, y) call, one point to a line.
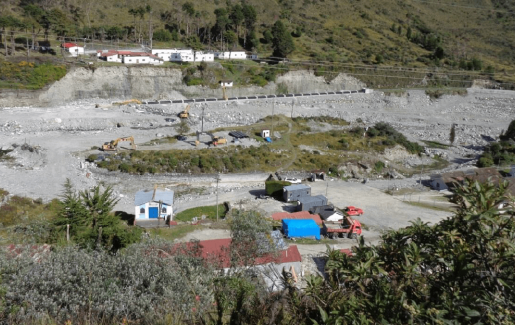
point(474, 36)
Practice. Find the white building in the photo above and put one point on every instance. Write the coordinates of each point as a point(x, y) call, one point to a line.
point(73, 49)
point(226, 83)
point(141, 58)
point(166, 54)
point(147, 202)
point(182, 57)
point(201, 56)
point(231, 55)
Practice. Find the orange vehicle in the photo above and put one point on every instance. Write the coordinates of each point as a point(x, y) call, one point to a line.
point(349, 227)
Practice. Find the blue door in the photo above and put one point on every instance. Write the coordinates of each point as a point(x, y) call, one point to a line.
point(153, 213)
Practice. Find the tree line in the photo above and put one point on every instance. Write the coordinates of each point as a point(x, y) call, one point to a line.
point(234, 26)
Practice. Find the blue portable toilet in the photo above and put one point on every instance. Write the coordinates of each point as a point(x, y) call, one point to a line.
point(293, 228)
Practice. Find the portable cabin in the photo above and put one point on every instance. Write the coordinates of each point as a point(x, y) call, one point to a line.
point(307, 202)
point(295, 192)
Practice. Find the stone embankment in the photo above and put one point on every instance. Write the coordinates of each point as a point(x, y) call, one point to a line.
point(157, 83)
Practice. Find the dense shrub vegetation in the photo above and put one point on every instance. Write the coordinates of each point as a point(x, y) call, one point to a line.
point(502, 152)
point(393, 137)
point(28, 75)
point(266, 157)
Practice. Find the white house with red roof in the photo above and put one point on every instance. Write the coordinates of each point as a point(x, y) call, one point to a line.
point(73, 48)
point(109, 56)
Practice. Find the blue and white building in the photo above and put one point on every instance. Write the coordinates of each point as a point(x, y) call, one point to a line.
point(153, 204)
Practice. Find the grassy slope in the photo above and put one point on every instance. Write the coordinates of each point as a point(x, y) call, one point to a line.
point(351, 31)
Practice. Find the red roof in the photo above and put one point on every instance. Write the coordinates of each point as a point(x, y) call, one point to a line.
point(68, 45)
point(218, 250)
point(301, 215)
point(346, 251)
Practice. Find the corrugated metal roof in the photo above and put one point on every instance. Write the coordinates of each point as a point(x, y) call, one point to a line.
point(145, 196)
point(219, 251)
point(302, 215)
point(296, 187)
point(309, 199)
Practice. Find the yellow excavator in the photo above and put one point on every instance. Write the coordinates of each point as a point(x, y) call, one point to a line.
point(185, 113)
point(113, 145)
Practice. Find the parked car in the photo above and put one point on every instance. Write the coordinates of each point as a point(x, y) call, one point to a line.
point(181, 137)
point(292, 180)
point(353, 211)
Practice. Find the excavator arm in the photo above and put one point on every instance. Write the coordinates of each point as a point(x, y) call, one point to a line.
point(111, 146)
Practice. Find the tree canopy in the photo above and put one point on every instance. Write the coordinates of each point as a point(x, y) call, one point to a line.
point(282, 41)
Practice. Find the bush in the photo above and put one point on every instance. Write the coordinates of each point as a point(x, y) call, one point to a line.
point(136, 286)
point(392, 137)
point(275, 188)
point(163, 35)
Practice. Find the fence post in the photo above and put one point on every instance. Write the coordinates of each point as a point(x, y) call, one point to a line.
point(68, 233)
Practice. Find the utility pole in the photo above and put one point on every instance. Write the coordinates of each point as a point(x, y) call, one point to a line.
point(292, 103)
point(273, 110)
point(326, 188)
point(217, 180)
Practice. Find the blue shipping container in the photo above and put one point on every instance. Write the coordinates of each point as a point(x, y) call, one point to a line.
point(300, 228)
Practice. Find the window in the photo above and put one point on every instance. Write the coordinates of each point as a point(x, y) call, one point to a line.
point(142, 210)
point(291, 194)
point(163, 210)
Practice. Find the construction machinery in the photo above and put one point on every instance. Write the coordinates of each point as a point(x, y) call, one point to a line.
point(113, 145)
point(215, 140)
point(185, 113)
point(349, 227)
point(130, 101)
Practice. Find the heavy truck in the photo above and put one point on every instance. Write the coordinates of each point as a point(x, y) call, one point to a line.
point(349, 227)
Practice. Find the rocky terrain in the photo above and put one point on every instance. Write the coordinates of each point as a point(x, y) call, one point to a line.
point(47, 145)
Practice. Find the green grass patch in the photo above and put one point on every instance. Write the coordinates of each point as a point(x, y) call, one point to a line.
point(208, 211)
point(435, 144)
point(437, 93)
point(309, 241)
point(174, 232)
point(28, 75)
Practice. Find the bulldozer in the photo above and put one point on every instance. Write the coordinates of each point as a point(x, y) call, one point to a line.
point(113, 145)
point(185, 113)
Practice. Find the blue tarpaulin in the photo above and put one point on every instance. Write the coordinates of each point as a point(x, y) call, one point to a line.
point(300, 228)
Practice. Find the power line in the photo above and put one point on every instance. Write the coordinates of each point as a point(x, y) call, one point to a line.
point(461, 6)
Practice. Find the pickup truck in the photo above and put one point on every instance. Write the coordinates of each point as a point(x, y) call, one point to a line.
point(353, 211)
point(349, 227)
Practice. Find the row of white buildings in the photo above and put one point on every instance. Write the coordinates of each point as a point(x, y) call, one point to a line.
point(189, 55)
point(159, 56)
